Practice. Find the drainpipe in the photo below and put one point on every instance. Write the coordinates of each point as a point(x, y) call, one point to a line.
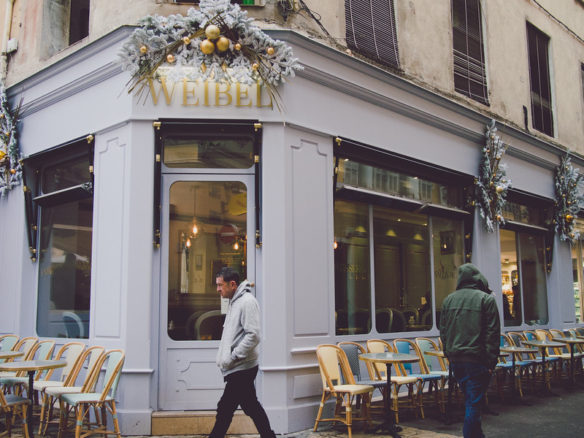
point(5, 38)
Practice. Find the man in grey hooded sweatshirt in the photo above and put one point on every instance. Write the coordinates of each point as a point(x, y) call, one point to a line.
point(237, 357)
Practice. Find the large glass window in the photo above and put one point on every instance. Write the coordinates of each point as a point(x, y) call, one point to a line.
point(578, 274)
point(523, 278)
point(393, 259)
point(64, 195)
point(539, 77)
point(207, 230)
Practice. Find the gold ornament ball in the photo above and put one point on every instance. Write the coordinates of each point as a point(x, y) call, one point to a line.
point(143, 50)
point(186, 40)
point(498, 217)
point(499, 189)
point(569, 218)
point(270, 51)
point(212, 31)
point(207, 47)
point(223, 44)
point(12, 171)
point(237, 47)
point(2, 155)
point(255, 66)
point(170, 58)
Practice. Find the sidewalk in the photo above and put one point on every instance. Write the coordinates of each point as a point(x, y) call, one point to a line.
point(559, 416)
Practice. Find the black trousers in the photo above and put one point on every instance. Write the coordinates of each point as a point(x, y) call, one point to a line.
point(240, 391)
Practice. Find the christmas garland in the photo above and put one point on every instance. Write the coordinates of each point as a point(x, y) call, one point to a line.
point(568, 200)
point(492, 184)
point(10, 165)
point(216, 42)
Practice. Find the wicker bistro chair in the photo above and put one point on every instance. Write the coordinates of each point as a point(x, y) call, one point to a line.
point(91, 357)
point(412, 384)
point(25, 346)
point(41, 351)
point(505, 367)
point(562, 353)
point(353, 350)
point(12, 405)
point(552, 362)
point(105, 401)
point(435, 382)
point(334, 369)
point(7, 342)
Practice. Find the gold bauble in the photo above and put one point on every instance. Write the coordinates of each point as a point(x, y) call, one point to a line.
point(186, 40)
point(569, 218)
point(2, 155)
point(12, 171)
point(255, 66)
point(212, 31)
point(498, 217)
point(270, 51)
point(499, 189)
point(143, 50)
point(237, 47)
point(222, 44)
point(207, 47)
point(170, 58)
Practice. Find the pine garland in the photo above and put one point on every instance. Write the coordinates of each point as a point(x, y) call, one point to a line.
point(492, 184)
point(10, 156)
point(216, 42)
point(568, 199)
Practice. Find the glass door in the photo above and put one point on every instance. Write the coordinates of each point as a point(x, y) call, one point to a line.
point(209, 223)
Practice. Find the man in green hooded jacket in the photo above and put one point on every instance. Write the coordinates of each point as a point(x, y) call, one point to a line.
point(470, 331)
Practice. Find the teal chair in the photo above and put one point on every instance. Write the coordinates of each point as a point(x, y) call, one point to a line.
point(102, 402)
point(40, 351)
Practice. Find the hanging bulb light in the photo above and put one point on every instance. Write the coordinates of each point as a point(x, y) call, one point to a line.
point(195, 229)
point(236, 246)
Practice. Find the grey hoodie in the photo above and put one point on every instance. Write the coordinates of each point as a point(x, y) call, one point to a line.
point(238, 349)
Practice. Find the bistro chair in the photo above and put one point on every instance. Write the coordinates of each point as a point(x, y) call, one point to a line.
point(505, 367)
point(7, 342)
point(101, 403)
point(91, 359)
point(435, 382)
point(24, 345)
point(562, 353)
point(11, 406)
point(334, 369)
point(412, 384)
point(40, 351)
point(353, 350)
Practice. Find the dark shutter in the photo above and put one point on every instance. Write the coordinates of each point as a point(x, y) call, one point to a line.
point(539, 76)
point(470, 76)
point(371, 30)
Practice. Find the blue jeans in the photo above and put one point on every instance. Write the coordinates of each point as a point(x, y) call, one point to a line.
point(473, 378)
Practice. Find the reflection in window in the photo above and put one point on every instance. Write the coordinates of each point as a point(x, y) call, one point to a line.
point(402, 246)
point(523, 278)
point(207, 230)
point(578, 277)
point(66, 224)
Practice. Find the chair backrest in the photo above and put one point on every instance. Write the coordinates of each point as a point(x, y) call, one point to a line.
point(516, 338)
point(69, 352)
point(425, 345)
point(113, 371)
point(209, 325)
point(383, 320)
point(530, 335)
point(25, 345)
point(409, 346)
point(580, 331)
point(92, 356)
point(7, 342)
point(399, 321)
point(542, 335)
point(379, 346)
point(333, 365)
point(42, 350)
point(557, 333)
point(352, 351)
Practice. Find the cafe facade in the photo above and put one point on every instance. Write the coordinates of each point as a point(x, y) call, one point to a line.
point(348, 203)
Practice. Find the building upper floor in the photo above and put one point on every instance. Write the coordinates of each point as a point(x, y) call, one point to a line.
point(520, 62)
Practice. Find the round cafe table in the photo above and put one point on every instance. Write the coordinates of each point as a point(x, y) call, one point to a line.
point(543, 345)
point(389, 358)
point(513, 350)
point(10, 354)
point(571, 341)
point(31, 367)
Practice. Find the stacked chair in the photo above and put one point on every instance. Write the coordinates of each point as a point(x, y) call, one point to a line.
point(334, 370)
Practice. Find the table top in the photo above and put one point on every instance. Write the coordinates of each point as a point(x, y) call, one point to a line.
point(389, 357)
point(10, 354)
point(570, 340)
point(32, 365)
point(516, 349)
point(543, 344)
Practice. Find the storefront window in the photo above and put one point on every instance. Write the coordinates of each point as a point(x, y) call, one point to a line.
point(207, 230)
point(523, 278)
point(578, 277)
point(66, 224)
point(213, 152)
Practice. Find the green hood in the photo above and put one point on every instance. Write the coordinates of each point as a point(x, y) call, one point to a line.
point(469, 277)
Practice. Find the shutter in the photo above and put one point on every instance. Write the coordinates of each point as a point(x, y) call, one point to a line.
point(371, 30)
point(541, 106)
point(470, 76)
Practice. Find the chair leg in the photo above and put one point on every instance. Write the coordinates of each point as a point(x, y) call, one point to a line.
point(348, 413)
point(319, 414)
point(115, 419)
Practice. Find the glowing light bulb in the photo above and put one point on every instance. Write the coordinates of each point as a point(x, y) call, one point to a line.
point(236, 246)
point(195, 229)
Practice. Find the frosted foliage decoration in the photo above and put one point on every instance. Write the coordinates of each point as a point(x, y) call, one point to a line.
point(492, 183)
point(10, 164)
point(215, 42)
point(567, 180)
